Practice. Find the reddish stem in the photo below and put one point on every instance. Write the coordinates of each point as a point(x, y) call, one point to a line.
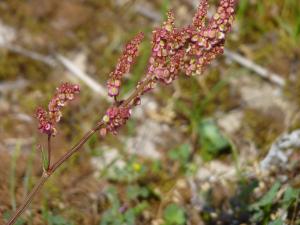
point(75, 148)
point(28, 199)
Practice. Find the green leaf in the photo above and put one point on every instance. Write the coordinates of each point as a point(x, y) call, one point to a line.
point(44, 159)
point(290, 195)
point(268, 198)
point(136, 191)
point(182, 153)
point(257, 216)
point(57, 220)
point(138, 209)
point(276, 222)
point(129, 217)
point(213, 143)
point(174, 215)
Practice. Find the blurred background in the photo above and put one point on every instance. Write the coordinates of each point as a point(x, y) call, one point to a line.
point(205, 150)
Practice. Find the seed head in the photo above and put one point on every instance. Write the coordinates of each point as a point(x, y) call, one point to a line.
point(125, 62)
point(115, 118)
point(47, 120)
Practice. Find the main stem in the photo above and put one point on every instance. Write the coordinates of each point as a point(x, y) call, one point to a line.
point(66, 156)
point(28, 199)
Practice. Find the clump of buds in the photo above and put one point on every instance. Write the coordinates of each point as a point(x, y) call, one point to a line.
point(174, 50)
point(47, 120)
point(188, 50)
point(167, 52)
point(192, 48)
point(115, 118)
point(125, 62)
point(45, 126)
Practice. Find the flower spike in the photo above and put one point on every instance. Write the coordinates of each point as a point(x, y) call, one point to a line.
point(125, 62)
point(200, 16)
point(47, 120)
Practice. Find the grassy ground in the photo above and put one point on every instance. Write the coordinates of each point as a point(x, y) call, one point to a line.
point(200, 162)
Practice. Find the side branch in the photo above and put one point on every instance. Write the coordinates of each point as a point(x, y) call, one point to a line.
point(66, 156)
point(75, 148)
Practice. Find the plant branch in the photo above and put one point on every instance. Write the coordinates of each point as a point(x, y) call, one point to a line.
point(138, 91)
point(51, 169)
point(75, 148)
point(28, 199)
point(168, 60)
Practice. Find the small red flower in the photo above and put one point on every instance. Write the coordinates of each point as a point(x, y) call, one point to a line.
point(115, 118)
point(192, 48)
point(126, 60)
point(47, 120)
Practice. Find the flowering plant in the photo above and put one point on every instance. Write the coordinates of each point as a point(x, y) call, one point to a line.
point(175, 50)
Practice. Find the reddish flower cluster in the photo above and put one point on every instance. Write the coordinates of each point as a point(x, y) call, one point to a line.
point(114, 118)
point(45, 126)
point(167, 52)
point(189, 49)
point(199, 18)
point(206, 43)
point(47, 120)
point(125, 62)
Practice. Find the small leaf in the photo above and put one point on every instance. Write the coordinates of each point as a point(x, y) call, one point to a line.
point(276, 222)
point(257, 216)
point(136, 191)
point(268, 198)
point(174, 215)
point(213, 143)
point(140, 208)
point(181, 154)
point(290, 195)
point(129, 217)
point(44, 159)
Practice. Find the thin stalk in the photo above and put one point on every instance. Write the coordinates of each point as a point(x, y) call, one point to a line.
point(51, 170)
point(74, 149)
point(138, 91)
point(66, 156)
point(29, 198)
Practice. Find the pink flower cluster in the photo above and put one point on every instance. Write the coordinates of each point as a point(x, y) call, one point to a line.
point(47, 120)
point(167, 51)
point(192, 48)
point(125, 62)
point(45, 126)
point(174, 50)
point(115, 118)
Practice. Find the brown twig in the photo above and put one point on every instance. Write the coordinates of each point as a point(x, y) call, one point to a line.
point(28, 199)
point(74, 149)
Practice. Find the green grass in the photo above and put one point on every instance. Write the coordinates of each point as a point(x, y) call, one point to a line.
point(13, 175)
